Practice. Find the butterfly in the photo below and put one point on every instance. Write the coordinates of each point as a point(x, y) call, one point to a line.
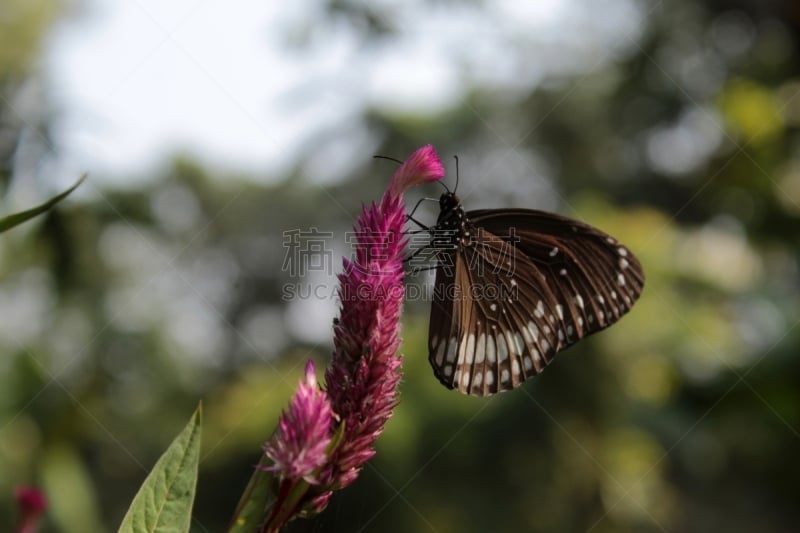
point(514, 287)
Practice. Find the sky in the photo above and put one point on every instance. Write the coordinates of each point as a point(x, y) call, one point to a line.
point(138, 81)
point(251, 87)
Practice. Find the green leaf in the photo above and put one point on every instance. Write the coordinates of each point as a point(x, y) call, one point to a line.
point(16, 219)
point(259, 494)
point(164, 502)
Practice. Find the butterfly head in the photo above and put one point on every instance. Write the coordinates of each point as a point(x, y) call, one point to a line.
point(448, 201)
point(451, 214)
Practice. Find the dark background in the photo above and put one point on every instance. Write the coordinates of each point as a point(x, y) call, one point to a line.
point(128, 304)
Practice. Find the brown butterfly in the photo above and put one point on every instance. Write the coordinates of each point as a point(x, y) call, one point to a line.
point(516, 286)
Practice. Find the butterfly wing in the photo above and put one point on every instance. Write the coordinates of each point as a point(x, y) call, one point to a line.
point(482, 339)
point(595, 278)
point(527, 285)
point(445, 325)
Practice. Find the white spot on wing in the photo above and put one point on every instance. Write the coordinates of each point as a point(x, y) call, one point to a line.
point(490, 377)
point(502, 349)
point(439, 358)
point(504, 375)
point(520, 348)
point(622, 251)
point(560, 311)
point(448, 371)
point(480, 352)
point(477, 380)
point(623, 263)
point(579, 301)
point(528, 363)
point(539, 311)
point(533, 330)
point(554, 251)
point(462, 350)
point(470, 349)
point(465, 379)
point(515, 368)
point(526, 334)
point(451, 350)
point(620, 279)
point(490, 353)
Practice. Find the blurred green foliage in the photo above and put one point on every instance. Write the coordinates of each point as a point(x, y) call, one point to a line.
point(118, 313)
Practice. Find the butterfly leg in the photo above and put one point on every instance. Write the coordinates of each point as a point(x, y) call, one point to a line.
point(410, 216)
point(417, 222)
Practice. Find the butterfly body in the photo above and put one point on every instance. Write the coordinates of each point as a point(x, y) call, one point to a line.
point(514, 287)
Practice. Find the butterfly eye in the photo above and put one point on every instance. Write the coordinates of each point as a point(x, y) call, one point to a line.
point(515, 287)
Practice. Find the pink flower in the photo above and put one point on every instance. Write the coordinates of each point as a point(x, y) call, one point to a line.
point(31, 504)
point(363, 377)
point(423, 166)
point(304, 432)
point(362, 380)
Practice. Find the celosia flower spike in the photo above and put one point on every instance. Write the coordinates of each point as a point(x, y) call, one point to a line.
point(423, 166)
point(363, 377)
point(304, 432)
point(362, 380)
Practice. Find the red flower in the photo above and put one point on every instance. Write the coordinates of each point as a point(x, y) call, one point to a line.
point(31, 504)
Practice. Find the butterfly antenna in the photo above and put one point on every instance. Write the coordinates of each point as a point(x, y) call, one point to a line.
point(456, 188)
point(387, 158)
